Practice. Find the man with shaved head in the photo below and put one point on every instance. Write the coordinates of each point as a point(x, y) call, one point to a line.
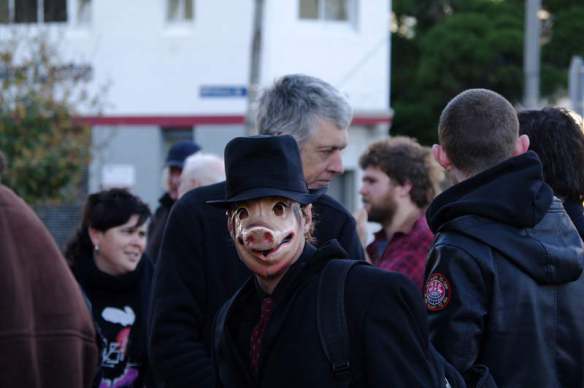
point(503, 283)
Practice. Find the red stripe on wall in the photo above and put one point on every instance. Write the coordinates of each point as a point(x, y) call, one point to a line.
point(188, 121)
point(364, 120)
point(162, 121)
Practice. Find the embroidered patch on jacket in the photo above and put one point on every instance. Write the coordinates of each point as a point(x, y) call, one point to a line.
point(437, 293)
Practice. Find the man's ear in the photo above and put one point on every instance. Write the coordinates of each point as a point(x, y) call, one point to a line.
point(307, 214)
point(404, 190)
point(440, 156)
point(521, 145)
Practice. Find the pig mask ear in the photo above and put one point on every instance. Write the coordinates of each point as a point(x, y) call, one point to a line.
point(230, 225)
point(307, 215)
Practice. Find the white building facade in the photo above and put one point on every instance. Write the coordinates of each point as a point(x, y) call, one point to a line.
point(178, 69)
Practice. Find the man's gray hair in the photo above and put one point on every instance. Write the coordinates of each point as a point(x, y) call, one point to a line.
point(295, 104)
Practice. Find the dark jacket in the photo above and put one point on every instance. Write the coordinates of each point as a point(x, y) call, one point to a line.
point(199, 270)
point(156, 227)
point(576, 213)
point(504, 283)
point(389, 344)
point(120, 308)
point(47, 337)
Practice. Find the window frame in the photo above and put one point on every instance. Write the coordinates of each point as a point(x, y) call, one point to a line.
point(181, 19)
point(351, 8)
point(40, 14)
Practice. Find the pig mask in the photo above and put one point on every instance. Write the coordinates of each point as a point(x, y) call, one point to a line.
point(269, 236)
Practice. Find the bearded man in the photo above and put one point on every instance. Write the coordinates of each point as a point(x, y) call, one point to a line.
point(399, 181)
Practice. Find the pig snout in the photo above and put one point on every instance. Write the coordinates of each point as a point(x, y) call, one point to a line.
point(258, 238)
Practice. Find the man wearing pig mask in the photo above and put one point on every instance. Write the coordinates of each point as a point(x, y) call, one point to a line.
point(198, 269)
point(266, 334)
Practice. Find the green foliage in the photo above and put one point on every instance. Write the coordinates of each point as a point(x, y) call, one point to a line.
point(564, 42)
point(558, 5)
point(461, 44)
point(46, 149)
point(566, 38)
point(468, 49)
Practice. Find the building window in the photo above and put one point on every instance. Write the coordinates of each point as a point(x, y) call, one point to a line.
point(33, 11)
point(54, 10)
point(171, 135)
point(335, 10)
point(179, 11)
point(4, 11)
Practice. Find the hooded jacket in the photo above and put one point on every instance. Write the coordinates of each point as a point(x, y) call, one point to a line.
point(47, 337)
point(504, 284)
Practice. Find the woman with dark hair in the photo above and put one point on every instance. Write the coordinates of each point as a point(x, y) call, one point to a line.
point(556, 135)
point(107, 258)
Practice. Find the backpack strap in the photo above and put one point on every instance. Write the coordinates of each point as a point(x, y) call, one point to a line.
point(331, 319)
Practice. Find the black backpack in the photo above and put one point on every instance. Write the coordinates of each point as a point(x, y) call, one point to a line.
point(334, 333)
point(333, 330)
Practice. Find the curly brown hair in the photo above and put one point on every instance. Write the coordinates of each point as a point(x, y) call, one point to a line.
point(404, 160)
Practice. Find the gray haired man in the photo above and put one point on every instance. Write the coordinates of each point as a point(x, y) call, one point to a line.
point(317, 116)
point(199, 268)
point(201, 169)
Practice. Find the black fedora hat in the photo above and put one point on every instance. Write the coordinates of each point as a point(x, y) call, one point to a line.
point(264, 166)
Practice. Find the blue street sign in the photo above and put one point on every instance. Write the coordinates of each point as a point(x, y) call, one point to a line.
point(214, 91)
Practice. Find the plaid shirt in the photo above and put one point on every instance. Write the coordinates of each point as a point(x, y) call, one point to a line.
point(405, 253)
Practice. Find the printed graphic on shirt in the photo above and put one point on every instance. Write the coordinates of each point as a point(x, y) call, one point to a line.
point(437, 293)
point(125, 317)
point(115, 351)
point(118, 371)
point(127, 379)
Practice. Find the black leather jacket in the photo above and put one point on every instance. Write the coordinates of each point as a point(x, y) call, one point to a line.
point(504, 283)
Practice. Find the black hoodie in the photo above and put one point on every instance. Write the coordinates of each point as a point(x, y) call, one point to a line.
point(504, 280)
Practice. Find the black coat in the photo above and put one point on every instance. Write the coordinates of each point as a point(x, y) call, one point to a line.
point(576, 213)
point(389, 344)
point(199, 270)
point(156, 227)
point(504, 278)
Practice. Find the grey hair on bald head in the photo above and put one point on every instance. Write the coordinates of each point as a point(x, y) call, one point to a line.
point(205, 168)
point(296, 103)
